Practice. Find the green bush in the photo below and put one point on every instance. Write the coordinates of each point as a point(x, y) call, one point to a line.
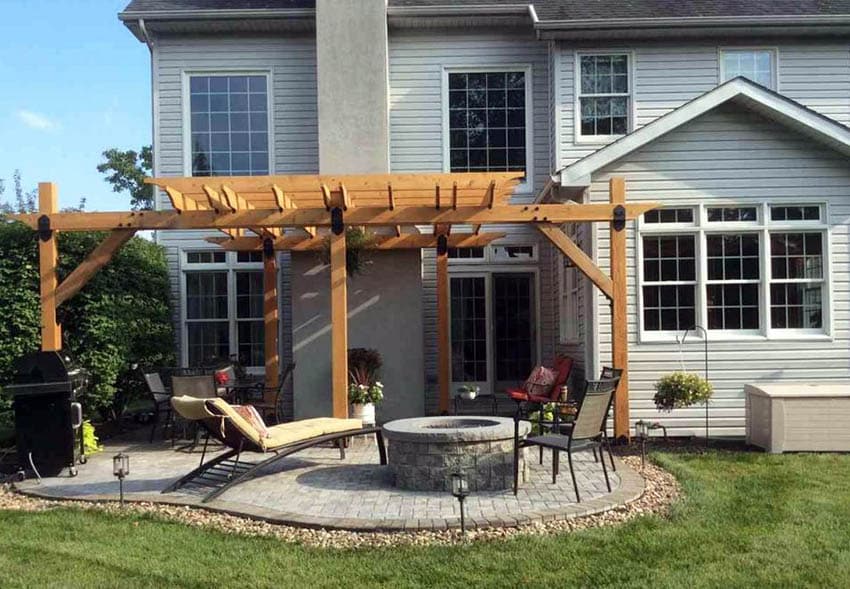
point(121, 317)
point(681, 389)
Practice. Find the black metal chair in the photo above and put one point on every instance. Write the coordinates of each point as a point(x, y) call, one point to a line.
point(161, 398)
point(275, 408)
point(587, 432)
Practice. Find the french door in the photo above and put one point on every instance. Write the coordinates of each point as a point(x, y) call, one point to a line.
point(493, 328)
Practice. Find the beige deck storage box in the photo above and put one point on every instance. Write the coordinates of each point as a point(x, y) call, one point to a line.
point(799, 417)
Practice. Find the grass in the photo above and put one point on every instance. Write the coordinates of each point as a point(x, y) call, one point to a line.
point(747, 520)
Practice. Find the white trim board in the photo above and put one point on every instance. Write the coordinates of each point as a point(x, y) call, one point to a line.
point(751, 95)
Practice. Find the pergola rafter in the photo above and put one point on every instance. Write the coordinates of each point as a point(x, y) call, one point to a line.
point(322, 207)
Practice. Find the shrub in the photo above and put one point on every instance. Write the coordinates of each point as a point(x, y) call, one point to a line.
point(360, 394)
point(681, 389)
point(121, 317)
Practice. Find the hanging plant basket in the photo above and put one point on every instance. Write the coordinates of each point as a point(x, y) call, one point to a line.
point(357, 242)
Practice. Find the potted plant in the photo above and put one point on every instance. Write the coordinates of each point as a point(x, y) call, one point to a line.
point(681, 389)
point(364, 388)
point(468, 392)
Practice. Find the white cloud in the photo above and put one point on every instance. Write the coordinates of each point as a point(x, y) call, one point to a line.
point(36, 120)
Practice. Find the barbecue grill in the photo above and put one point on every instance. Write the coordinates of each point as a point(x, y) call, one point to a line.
point(48, 418)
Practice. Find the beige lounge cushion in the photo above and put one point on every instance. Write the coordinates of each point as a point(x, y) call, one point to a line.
point(299, 431)
point(237, 421)
point(191, 408)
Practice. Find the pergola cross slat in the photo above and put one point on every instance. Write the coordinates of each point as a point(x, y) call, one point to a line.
point(267, 205)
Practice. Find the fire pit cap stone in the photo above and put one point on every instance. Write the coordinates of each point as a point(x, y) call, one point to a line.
point(465, 428)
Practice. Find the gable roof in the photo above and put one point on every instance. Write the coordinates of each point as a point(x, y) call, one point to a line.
point(764, 101)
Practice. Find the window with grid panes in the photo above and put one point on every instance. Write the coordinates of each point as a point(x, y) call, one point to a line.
point(604, 95)
point(487, 121)
point(732, 289)
point(797, 280)
point(207, 325)
point(754, 64)
point(669, 282)
point(229, 125)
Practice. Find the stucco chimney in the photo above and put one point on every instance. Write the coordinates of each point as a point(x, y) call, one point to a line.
point(351, 44)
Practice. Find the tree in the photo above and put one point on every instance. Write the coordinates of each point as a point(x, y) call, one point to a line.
point(24, 199)
point(120, 318)
point(126, 171)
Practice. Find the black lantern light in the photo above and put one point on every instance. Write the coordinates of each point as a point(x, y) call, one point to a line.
point(460, 489)
point(642, 433)
point(121, 469)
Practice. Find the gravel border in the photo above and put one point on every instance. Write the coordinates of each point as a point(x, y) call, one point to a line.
point(661, 490)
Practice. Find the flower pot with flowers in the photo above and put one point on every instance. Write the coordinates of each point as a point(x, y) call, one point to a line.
point(364, 388)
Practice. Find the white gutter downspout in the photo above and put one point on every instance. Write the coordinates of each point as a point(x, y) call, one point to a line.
point(143, 29)
point(149, 42)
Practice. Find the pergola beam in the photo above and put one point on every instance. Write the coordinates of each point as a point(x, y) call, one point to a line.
point(97, 259)
point(619, 311)
point(339, 326)
point(270, 325)
point(443, 322)
point(582, 261)
point(380, 242)
point(365, 216)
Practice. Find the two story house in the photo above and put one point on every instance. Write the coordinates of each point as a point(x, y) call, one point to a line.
point(731, 114)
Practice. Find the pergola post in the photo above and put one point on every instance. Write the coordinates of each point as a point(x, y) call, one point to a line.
point(339, 325)
point(443, 339)
point(619, 315)
point(270, 319)
point(48, 256)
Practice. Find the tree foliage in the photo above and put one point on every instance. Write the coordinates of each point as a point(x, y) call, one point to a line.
point(24, 199)
point(126, 171)
point(121, 317)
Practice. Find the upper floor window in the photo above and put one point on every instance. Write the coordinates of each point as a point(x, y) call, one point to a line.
point(229, 125)
point(604, 91)
point(758, 65)
point(487, 121)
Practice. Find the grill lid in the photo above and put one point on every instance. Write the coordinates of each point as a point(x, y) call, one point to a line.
point(41, 367)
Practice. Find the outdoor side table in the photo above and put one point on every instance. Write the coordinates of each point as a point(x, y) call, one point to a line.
point(491, 397)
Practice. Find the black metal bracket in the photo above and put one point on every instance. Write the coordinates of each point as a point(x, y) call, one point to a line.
point(442, 245)
point(619, 220)
point(337, 222)
point(44, 230)
point(268, 247)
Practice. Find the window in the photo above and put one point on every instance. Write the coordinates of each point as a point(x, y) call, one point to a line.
point(767, 276)
point(732, 214)
point(603, 95)
point(669, 216)
point(207, 328)
point(568, 288)
point(229, 125)
point(223, 307)
point(487, 121)
point(466, 253)
point(669, 278)
point(757, 65)
point(732, 289)
point(797, 277)
point(249, 317)
point(513, 253)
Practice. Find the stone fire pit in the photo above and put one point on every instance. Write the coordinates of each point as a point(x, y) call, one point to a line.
point(424, 451)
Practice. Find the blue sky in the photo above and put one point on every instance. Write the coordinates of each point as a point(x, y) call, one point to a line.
point(74, 83)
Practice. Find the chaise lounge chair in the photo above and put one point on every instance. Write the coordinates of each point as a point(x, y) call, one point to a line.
point(223, 423)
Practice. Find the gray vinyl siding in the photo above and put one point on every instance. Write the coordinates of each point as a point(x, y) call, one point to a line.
point(416, 64)
point(292, 65)
point(665, 77)
point(731, 154)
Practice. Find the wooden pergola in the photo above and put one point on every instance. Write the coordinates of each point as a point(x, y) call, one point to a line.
point(304, 212)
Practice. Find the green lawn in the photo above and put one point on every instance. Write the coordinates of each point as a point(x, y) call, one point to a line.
point(747, 520)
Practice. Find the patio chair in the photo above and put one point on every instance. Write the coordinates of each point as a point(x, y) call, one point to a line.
point(161, 401)
point(201, 387)
point(563, 367)
point(586, 433)
point(223, 423)
point(275, 408)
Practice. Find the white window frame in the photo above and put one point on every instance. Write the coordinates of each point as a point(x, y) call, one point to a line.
point(187, 108)
point(231, 267)
point(630, 110)
point(569, 287)
point(764, 227)
point(774, 63)
point(526, 187)
point(490, 258)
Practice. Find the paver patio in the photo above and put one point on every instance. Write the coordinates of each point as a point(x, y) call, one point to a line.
point(316, 488)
